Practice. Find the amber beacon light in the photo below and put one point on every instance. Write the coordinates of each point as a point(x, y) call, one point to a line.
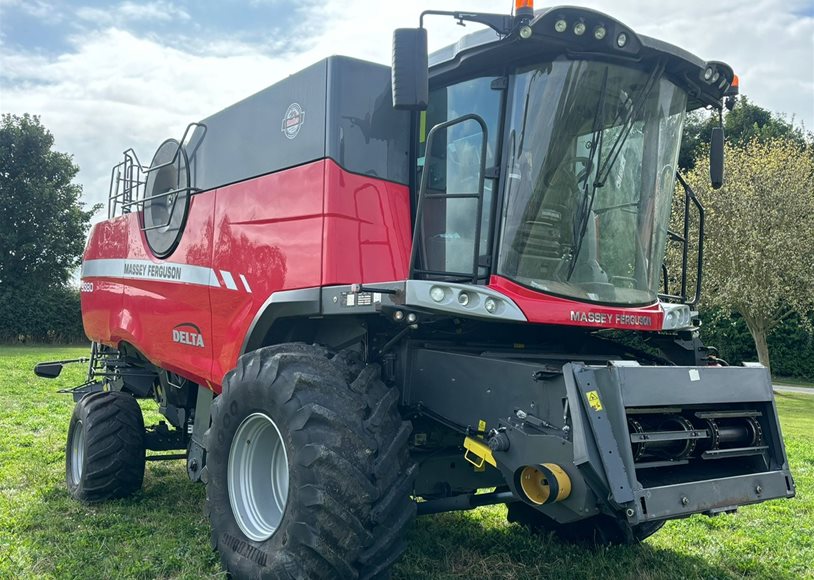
point(524, 8)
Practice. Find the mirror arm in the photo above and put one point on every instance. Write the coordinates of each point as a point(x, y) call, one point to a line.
point(500, 23)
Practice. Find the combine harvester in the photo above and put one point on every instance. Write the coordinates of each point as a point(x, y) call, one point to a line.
point(364, 294)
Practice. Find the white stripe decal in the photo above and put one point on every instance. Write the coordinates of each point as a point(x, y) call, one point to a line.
point(228, 280)
point(246, 284)
point(148, 270)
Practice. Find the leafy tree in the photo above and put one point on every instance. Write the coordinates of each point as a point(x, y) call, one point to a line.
point(759, 240)
point(744, 123)
point(43, 224)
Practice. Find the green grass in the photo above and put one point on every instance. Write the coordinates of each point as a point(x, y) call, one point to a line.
point(161, 532)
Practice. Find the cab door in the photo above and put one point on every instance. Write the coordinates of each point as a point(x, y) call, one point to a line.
point(452, 173)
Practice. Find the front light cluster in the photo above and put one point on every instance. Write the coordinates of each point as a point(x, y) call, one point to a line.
point(676, 316)
point(711, 74)
point(468, 299)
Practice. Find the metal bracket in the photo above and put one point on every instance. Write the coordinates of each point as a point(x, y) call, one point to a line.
point(203, 414)
point(611, 458)
point(196, 455)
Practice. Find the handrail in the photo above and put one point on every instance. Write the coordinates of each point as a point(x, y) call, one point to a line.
point(418, 233)
point(690, 199)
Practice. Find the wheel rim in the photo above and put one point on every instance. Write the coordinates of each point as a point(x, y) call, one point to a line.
point(77, 451)
point(257, 477)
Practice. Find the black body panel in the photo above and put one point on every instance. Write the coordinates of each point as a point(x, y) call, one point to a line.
point(338, 108)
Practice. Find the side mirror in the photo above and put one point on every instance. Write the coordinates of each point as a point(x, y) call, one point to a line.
point(48, 370)
point(410, 72)
point(716, 157)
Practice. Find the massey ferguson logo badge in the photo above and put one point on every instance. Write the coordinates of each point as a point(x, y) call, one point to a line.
point(292, 120)
point(189, 334)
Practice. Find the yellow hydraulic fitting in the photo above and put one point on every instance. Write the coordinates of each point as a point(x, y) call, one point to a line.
point(477, 453)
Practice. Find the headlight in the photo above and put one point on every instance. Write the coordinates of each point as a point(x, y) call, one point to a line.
point(676, 316)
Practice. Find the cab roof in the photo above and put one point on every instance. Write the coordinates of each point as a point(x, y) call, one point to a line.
point(706, 82)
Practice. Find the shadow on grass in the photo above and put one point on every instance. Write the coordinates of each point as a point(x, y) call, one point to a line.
point(162, 532)
point(481, 544)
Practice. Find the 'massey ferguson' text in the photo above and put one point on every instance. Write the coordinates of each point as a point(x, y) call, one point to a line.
point(603, 318)
point(159, 271)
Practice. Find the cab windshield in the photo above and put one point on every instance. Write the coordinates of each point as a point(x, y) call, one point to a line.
point(592, 152)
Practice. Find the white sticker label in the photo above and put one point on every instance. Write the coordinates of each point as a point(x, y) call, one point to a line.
point(695, 375)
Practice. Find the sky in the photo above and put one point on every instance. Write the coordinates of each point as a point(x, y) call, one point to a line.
point(106, 76)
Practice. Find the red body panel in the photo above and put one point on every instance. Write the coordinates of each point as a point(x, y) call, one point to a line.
point(547, 309)
point(269, 230)
point(153, 308)
point(367, 229)
point(312, 225)
point(101, 298)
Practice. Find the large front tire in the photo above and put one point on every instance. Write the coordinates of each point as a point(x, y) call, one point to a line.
point(105, 455)
point(308, 472)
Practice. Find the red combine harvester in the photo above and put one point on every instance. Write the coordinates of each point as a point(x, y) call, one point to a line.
point(365, 293)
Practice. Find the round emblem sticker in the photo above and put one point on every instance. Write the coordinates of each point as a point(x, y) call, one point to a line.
point(292, 120)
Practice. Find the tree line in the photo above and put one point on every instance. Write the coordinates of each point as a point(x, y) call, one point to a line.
point(759, 249)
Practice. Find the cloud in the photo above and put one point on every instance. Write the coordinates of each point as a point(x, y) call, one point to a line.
point(35, 8)
point(156, 11)
point(115, 87)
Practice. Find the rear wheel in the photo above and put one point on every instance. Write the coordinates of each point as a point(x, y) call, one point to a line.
point(599, 530)
point(104, 457)
point(308, 472)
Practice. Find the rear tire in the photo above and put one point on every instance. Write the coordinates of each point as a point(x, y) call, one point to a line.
point(104, 457)
point(599, 530)
point(345, 507)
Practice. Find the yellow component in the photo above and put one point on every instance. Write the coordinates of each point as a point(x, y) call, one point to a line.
point(422, 127)
point(536, 483)
point(478, 453)
point(593, 400)
point(482, 428)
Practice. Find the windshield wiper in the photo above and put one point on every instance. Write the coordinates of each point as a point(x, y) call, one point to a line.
point(537, 74)
point(627, 124)
point(603, 172)
point(597, 138)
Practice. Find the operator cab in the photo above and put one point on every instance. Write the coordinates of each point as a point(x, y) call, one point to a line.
point(547, 156)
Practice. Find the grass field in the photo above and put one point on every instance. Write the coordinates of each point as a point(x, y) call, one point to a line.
point(161, 531)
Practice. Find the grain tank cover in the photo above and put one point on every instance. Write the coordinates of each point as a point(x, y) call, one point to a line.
point(338, 108)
